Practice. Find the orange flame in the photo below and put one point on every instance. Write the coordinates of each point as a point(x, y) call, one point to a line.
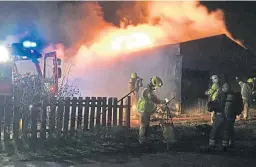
point(178, 22)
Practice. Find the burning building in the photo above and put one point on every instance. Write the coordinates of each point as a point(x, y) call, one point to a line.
point(104, 61)
point(185, 68)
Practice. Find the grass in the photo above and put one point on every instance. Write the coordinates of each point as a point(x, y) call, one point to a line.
point(119, 145)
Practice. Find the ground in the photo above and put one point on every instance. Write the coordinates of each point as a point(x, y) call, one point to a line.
point(119, 147)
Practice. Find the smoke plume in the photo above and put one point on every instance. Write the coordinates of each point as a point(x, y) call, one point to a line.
point(98, 67)
point(101, 51)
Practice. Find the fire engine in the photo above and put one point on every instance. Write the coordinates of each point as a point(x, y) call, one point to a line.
point(15, 81)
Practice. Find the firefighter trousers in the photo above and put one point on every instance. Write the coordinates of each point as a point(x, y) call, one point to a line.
point(217, 125)
point(228, 131)
point(144, 125)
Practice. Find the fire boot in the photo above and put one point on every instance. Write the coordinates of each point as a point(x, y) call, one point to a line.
point(231, 144)
point(211, 146)
point(224, 146)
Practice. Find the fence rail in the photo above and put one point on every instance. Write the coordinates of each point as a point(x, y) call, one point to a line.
point(62, 117)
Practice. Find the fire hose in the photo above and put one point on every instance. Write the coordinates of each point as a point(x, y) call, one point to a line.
point(164, 110)
point(123, 97)
point(166, 103)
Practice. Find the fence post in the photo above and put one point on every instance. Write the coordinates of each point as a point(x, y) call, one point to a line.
point(115, 111)
point(92, 113)
point(25, 118)
point(104, 111)
point(2, 107)
point(128, 112)
point(73, 116)
point(120, 118)
point(7, 116)
point(110, 104)
point(34, 115)
point(52, 116)
point(66, 116)
point(60, 111)
point(16, 120)
point(86, 112)
point(43, 123)
point(98, 114)
point(80, 113)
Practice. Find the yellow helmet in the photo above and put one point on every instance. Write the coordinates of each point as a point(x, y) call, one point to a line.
point(156, 82)
point(134, 75)
point(250, 80)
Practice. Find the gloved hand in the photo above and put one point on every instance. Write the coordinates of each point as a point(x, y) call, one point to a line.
point(237, 78)
point(163, 102)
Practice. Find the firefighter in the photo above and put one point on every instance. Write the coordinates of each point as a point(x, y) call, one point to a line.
point(147, 106)
point(135, 83)
point(233, 107)
point(217, 105)
point(246, 92)
point(213, 91)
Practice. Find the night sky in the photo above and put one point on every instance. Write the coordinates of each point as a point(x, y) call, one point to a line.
point(240, 19)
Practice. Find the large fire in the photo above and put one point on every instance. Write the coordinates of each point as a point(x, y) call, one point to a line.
point(177, 22)
point(164, 23)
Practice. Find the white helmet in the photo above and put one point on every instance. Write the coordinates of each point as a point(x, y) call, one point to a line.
point(215, 78)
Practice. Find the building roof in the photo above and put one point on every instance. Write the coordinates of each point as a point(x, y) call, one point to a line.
point(217, 54)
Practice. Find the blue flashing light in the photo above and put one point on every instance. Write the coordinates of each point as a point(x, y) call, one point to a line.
point(29, 44)
point(26, 44)
point(33, 44)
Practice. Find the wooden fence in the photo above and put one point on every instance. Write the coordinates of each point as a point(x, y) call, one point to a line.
point(62, 116)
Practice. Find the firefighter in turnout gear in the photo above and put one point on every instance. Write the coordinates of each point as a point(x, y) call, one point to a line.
point(147, 106)
point(246, 92)
point(233, 107)
point(217, 105)
point(213, 91)
point(135, 83)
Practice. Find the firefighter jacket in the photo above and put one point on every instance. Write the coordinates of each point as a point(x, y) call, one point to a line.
point(148, 101)
point(218, 102)
point(246, 90)
point(229, 103)
point(213, 91)
point(233, 104)
point(135, 84)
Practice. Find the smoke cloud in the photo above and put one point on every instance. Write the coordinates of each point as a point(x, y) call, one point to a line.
point(102, 53)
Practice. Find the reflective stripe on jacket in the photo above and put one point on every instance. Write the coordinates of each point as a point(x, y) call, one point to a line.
point(213, 91)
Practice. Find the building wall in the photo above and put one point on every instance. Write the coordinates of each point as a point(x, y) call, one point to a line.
point(194, 84)
point(203, 58)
